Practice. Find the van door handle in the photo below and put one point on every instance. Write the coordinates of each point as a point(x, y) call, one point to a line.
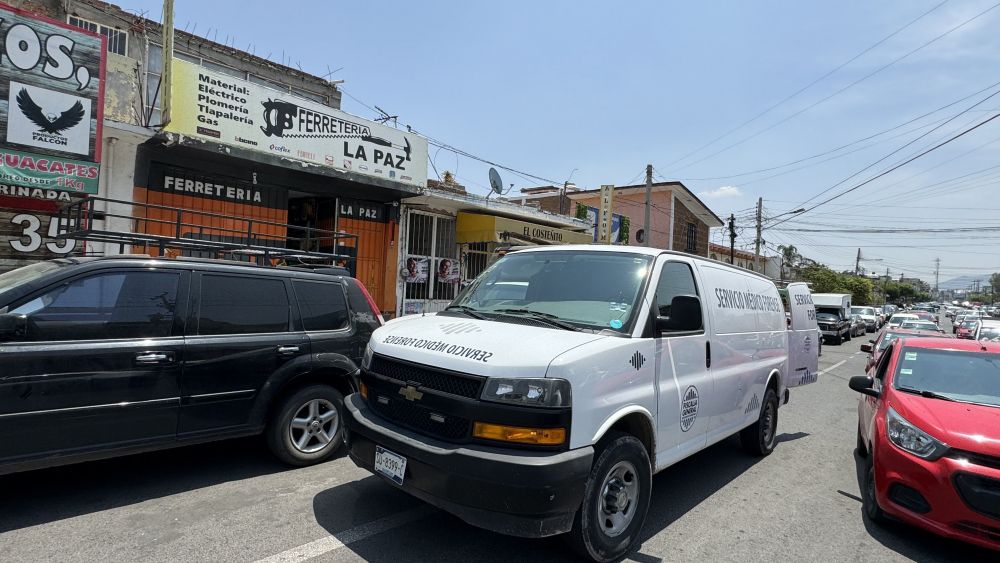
point(708, 355)
point(151, 358)
point(288, 350)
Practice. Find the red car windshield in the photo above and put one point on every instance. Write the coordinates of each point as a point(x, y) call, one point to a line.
point(957, 375)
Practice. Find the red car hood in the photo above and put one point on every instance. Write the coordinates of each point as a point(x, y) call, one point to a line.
point(973, 428)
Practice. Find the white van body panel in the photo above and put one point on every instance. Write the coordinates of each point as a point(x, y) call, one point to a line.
point(667, 378)
point(803, 337)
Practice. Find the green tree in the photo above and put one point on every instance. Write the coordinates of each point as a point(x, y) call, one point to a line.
point(789, 257)
point(995, 284)
point(823, 279)
point(860, 289)
point(581, 211)
point(623, 232)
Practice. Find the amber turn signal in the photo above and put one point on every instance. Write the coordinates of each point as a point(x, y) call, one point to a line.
point(539, 436)
point(363, 389)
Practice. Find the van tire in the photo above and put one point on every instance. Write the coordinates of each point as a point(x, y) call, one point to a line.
point(280, 434)
point(760, 438)
point(589, 536)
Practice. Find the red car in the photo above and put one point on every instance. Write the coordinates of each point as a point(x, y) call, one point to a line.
point(966, 329)
point(884, 337)
point(929, 433)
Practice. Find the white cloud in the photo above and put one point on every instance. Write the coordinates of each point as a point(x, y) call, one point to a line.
point(721, 192)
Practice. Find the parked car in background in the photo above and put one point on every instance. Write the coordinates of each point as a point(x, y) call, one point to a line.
point(988, 329)
point(111, 356)
point(833, 326)
point(921, 325)
point(869, 315)
point(967, 329)
point(858, 326)
point(929, 437)
point(898, 318)
point(887, 335)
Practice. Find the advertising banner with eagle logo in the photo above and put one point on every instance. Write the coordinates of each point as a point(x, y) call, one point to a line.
point(51, 103)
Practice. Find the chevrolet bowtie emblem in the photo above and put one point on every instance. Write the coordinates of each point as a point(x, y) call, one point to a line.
point(410, 393)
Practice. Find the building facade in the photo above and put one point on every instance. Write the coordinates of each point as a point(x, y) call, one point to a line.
point(678, 219)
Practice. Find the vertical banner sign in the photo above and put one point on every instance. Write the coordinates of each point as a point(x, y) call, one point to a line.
point(168, 58)
point(604, 214)
point(51, 113)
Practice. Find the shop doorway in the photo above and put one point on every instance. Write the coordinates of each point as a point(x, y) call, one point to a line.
point(432, 270)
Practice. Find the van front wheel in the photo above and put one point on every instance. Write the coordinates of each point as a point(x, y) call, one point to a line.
point(615, 500)
point(760, 438)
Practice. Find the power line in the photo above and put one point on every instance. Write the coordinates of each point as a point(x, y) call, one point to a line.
point(898, 166)
point(804, 88)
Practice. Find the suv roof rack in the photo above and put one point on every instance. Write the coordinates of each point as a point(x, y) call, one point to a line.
point(209, 235)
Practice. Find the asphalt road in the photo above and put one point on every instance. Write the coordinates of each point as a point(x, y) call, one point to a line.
point(232, 502)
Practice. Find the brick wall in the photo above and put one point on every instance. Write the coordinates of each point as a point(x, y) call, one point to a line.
point(682, 217)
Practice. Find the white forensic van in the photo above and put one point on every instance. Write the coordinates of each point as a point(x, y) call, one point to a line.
point(544, 398)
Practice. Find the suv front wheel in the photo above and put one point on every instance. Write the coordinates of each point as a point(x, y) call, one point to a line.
point(307, 427)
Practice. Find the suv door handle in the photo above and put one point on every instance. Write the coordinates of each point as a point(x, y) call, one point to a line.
point(148, 358)
point(288, 350)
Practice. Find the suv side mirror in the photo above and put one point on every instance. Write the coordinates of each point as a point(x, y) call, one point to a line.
point(13, 326)
point(864, 384)
point(685, 315)
point(866, 348)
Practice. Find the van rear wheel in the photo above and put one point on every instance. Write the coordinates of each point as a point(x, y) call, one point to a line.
point(760, 438)
point(615, 500)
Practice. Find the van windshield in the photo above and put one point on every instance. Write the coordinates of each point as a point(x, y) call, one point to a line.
point(587, 289)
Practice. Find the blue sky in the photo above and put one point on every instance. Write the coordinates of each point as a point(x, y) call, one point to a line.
point(603, 88)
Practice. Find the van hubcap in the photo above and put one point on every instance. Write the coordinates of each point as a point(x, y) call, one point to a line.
point(313, 426)
point(619, 492)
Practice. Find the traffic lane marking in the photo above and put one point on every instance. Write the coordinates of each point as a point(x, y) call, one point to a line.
point(336, 541)
point(831, 368)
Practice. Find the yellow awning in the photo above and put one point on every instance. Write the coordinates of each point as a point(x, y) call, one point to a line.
point(475, 227)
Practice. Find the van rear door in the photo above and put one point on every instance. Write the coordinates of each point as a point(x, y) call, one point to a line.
point(803, 337)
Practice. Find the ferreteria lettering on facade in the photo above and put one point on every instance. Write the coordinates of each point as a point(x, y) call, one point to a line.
point(171, 183)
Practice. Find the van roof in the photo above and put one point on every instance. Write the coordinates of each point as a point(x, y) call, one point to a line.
point(644, 250)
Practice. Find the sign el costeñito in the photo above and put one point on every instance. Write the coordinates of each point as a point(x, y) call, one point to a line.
point(216, 107)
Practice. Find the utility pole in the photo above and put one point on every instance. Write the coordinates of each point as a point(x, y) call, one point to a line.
point(760, 218)
point(732, 238)
point(649, 204)
point(857, 264)
point(885, 287)
point(937, 274)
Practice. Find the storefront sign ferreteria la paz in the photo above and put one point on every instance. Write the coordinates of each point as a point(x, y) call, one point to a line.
point(216, 107)
point(51, 104)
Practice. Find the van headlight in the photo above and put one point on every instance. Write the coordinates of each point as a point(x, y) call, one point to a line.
point(912, 439)
point(366, 361)
point(529, 392)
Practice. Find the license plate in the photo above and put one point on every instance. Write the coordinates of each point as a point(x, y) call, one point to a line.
point(390, 464)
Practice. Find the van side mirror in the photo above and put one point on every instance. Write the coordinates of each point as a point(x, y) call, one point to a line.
point(685, 315)
point(13, 326)
point(864, 384)
point(866, 348)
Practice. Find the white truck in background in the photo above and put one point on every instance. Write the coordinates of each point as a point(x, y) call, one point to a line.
point(833, 313)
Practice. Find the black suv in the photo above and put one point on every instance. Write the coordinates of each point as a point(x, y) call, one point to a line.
point(108, 356)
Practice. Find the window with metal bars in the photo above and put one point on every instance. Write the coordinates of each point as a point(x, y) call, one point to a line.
point(691, 245)
point(117, 38)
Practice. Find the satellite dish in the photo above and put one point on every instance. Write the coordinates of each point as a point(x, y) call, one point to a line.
point(495, 182)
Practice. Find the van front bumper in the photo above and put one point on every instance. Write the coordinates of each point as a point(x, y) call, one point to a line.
point(515, 492)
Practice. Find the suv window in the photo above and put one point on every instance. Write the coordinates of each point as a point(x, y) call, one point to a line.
point(103, 306)
point(321, 304)
point(675, 279)
point(242, 305)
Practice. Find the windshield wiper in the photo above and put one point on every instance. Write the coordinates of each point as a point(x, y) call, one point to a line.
point(925, 393)
point(465, 309)
point(538, 315)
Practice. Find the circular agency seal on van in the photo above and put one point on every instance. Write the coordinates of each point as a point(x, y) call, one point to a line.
point(689, 408)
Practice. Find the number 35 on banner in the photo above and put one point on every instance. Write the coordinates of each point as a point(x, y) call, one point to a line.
point(30, 225)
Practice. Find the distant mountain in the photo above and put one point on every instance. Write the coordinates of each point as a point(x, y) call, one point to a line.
point(963, 282)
